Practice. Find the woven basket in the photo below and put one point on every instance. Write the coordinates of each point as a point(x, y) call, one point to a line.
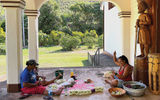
point(116, 89)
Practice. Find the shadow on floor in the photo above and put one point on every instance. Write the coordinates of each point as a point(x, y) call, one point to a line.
point(3, 84)
point(85, 63)
point(57, 51)
point(82, 74)
point(106, 61)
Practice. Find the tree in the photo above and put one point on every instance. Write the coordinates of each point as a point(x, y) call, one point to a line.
point(69, 43)
point(26, 29)
point(66, 22)
point(90, 38)
point(85, 16)
point(49, 19)
point(56, 36)
point(2, 18)
point(2, 15)
point(100, 41)
point(44, 39)
point(2, 35)
point(2, 23)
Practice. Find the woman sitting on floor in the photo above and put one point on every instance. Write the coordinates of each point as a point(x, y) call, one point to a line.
point(30, 84)
point(124, 73)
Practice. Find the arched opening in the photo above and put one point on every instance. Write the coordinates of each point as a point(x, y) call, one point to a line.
point(113, 33)
point(55, 57)
point(122, 18)
point(114, 4)
point(2, 44)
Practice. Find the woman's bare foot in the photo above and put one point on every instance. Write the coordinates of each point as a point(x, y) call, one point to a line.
point(109, 82)
point(59, 91)
point(43, 83)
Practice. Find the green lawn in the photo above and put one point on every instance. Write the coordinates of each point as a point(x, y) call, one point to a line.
point(54, 57)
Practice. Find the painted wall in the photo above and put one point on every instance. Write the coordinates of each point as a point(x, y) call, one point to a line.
point(126, 36)
point(113, 34)
point(115, 29)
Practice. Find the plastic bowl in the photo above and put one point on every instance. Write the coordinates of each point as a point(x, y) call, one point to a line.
point(134, 88)
point(113, 91)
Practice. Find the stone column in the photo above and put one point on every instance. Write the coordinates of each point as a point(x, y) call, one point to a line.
point(104, 7)
point(13, 42)
point(32, 33)
point(125, 16)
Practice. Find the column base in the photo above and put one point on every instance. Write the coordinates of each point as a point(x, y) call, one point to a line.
point(12, 88)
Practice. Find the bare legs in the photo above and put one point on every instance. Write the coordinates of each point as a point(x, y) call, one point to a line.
point(45, 83)
point(57, 92)
point(113, 82)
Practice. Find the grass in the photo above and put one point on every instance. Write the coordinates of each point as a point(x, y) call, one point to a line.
point(54, 57)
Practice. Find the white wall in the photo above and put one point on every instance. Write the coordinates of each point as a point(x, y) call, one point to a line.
point(134, 16)
point(113, 35)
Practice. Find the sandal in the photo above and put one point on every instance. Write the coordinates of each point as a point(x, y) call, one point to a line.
point(25, 96)
point(48, 98)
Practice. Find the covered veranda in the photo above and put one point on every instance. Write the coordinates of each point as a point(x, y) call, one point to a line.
point(14, 10)
point(83, 73)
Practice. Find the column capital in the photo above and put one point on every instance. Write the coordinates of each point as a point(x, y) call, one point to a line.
point(31, 12)
point(13, 3)
point(124, 14)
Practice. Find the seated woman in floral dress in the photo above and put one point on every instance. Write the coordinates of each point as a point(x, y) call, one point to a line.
point(124, 72)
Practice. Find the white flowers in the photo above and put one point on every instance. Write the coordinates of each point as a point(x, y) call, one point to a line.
point(85, 92)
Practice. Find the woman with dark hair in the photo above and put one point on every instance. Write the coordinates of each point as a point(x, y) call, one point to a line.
point(124, 73)
point(30, 84)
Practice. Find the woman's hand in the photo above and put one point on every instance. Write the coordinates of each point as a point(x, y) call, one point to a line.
point(38, 83)
point(43, 82)
point(43, 78)
point(60, 75)
point(115, 59)
point(113, 72)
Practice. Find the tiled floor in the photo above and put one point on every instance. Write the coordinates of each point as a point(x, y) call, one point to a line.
point(82, 74)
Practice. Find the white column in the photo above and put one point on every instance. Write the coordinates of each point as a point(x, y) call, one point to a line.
point(14, 43)
point(104, 7)
point(125, 16)
point(32, 33)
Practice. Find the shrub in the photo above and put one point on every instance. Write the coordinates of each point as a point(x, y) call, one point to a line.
point(69, 43)
point(100, 41)
point(2, 35)
point(66, 29)
point(90, 38)
point(44, 39)
point(56, 36)
point(90, 41)
point(49, 41)
point(92, 33)
point(80, 35)
point(2, 49)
